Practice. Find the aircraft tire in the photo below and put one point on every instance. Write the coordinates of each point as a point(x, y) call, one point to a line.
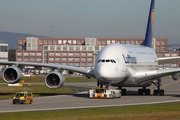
point(140, 91)
point(161, 92)
point(155, 92)
point(147, 92)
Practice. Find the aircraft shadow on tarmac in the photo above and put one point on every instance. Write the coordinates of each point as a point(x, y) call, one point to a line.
point(129, 93)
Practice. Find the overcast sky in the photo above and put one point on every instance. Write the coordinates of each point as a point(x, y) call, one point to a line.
point(90, 18)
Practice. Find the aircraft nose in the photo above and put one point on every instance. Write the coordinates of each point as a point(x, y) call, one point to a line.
point(101, 71)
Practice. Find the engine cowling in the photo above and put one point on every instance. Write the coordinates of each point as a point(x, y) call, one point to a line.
point(54, 80)
point(12, 74)
point(175, 76)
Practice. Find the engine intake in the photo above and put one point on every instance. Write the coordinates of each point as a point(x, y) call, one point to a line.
point(54, 80)
point(12, 74)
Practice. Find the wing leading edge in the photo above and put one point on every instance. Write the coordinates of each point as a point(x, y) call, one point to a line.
point(142, 77)
point(85, 71)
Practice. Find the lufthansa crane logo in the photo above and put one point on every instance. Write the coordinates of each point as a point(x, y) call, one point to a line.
point(129, 59)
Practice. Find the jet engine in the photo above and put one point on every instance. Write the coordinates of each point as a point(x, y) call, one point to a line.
point(175, 76)
point(12, 74)
point(54, 80)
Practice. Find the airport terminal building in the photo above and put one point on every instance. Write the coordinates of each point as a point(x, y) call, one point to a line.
point(80, 52)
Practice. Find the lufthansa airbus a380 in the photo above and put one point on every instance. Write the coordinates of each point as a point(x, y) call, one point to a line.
point(120, 65)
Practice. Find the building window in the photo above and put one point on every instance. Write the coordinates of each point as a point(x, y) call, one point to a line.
point(90, 54)
point(83, 54)
point(117, 41)
point(83, 64)
point(127, 42)
point(51, 47)
point(77, 54)
point(50, 41)
point(45, 41)
point(122, 42)
point(40, 41)
point(162, 42)
point(55, 42)
point(79, 42)
point(99, 42)
point(64, 54)
point(64, 47)
point(58, 47)
point(89, 59)
point(71, 47)
point(77, 59)
point(162, 48)
point(58, 54)
point(74, 41)
point(20, 41)
point(59, 41)
point(83, 59)
point(4, 48)
point(103, 42)
point(57, 59)
point(137, 42)
point(51, 54)
point(40, 47)
point(64, 59)
point(157, 48)
point(132, 42)
point(45, 47)
point(157, 42)
point(70, 54)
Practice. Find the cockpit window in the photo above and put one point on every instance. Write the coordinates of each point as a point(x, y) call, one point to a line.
point(113, 61)
point(99, 61)
point(102, 60)
point(106, 60)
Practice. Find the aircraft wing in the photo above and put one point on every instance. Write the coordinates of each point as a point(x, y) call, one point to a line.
point(85, 71)
point(146, 76)
point(165, 60)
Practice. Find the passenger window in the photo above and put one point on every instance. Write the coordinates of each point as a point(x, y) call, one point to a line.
point(99, 61)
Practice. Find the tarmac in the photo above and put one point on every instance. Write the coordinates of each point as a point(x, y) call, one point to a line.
point(80, 99)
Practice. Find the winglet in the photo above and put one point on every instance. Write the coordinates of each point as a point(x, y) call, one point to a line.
point(149, 30)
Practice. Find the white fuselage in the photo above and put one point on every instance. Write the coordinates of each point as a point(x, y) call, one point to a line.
point(118, 63)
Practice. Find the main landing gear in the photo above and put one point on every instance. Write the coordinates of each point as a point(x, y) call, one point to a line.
point(158, 91)
point(144, 91)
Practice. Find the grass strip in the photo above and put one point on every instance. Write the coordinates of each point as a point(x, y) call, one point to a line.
point(142, 112)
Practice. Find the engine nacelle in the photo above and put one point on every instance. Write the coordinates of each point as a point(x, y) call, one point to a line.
point(54, 80)
point(175, 76)
point(12, 74)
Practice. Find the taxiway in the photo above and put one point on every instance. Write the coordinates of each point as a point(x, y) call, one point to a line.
point(80, 99)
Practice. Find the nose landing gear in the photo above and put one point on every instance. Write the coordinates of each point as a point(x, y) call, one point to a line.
point(100, 84)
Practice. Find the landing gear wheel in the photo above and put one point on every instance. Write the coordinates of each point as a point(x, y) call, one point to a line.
point(123, 91)
point(140, 91)
point(144, 91)
point(147, 92)
point(159, 91)
point(155, 92)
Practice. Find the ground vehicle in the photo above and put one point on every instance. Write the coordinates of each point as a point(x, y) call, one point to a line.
point(104, 93)
point(23, 97)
